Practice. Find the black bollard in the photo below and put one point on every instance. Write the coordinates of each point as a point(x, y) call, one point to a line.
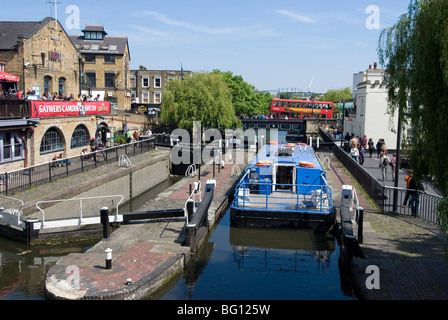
point(105, 222)
point(108, 258)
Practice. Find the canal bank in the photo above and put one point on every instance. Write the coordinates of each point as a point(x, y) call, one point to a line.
point(107, 185)
point(144, 254)
point(403, 257)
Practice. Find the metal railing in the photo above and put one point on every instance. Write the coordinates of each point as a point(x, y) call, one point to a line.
point(419, 204)
point(11, 108)
point(286, 197)
point(20, 180)
point(83, 218)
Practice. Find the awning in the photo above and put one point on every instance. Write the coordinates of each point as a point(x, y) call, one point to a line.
point(8, 77)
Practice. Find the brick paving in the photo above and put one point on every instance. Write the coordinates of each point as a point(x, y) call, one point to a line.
point(409, 252)
point(148, 253)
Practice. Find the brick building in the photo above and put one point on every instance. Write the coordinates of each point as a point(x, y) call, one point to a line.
point(48, 60)
point(42, 54)
point(147, 86)
point(105, 64)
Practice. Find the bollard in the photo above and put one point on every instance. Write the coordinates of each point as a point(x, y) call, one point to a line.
point(105, 221)
point(108, 258)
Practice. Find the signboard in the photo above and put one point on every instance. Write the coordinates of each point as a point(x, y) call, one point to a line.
point(42, 109)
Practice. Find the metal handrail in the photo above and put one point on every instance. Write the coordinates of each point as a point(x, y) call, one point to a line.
point(325, 194)
point(193, 196)
point(80, 200)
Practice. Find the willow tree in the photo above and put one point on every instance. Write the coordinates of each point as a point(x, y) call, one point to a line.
point(202, 97)
point(415, 54)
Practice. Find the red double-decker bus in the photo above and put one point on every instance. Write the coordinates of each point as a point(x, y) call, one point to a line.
point(301, 109)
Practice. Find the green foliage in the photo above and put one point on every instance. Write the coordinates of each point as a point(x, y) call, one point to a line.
point(244, 98)
point(203, 97)
point(337, 95)
point(415, 53)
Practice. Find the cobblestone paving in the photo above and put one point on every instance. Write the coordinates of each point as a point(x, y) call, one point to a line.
point(409, 252)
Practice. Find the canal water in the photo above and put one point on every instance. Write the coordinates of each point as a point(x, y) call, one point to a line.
point(260, 264)
point(234, 264)
point(23, 268)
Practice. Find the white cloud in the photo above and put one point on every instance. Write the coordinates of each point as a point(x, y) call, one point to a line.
point(295, 16)
point(190, 26)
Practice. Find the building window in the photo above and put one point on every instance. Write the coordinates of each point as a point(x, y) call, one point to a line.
point(157, 97)
point(157, 82)
point(51, 141)
point(145, 97)
point(80, 138)
point(61, 85)
point(93, 35)
point(109, 80)
point(12, 147)
point(133, 96)
point(132, 81)
point(90, 58)
point(47, 84)
point(145, 82)
point(92, 79)
point(109, 59)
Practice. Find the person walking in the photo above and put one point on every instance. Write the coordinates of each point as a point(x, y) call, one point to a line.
point(384, 163)
point(362, 155)
point(354, 151)
point(408, 193)
point(371, 146)
point(393, 163)
point(415, 188)
point(379, 146)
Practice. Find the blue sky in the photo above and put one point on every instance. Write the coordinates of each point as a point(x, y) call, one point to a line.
point(271, 44)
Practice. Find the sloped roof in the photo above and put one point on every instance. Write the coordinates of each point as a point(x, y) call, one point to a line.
point(11, 30)
point(109, 45)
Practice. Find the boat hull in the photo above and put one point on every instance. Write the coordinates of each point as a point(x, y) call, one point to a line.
point(254, 218)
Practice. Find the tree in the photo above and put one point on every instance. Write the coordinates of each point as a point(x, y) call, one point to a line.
point(337, 95)
point(244, 98)
point(415, 53)
point(202, 97)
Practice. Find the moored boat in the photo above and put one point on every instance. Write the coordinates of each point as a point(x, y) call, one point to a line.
point(284, 187)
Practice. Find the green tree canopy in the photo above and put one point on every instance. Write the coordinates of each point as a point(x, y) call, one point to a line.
point(415, 53)
point(337, 95)
point(244, 98)
point(203, 97)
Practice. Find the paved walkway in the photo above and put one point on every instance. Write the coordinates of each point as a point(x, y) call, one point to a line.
point(372, 166)
point(408, 252)
point(148, 253)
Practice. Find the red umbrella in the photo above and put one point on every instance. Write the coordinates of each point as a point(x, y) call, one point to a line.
point(8, 77)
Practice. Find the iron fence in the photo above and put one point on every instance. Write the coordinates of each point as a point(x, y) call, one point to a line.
point(388, 199)
point(27, 178)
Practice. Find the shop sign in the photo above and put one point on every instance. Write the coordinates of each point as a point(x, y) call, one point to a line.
point(42, 109)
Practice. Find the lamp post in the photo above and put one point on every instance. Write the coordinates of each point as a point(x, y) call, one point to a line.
point(397, 164)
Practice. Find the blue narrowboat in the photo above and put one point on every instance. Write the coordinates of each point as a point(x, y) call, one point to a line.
point(285, 186)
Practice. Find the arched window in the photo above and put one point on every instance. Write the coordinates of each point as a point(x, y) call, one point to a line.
point(51, 141)
point(61, 85)
point(47, 84)
point(80, 137)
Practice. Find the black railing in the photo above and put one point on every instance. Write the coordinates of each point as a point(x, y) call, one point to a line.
point(12, 108)
point(418, 204)
point(24, 179)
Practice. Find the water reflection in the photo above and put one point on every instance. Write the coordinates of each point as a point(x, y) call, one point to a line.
point(260, 264)
point(23, 268)
point(281, 250)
